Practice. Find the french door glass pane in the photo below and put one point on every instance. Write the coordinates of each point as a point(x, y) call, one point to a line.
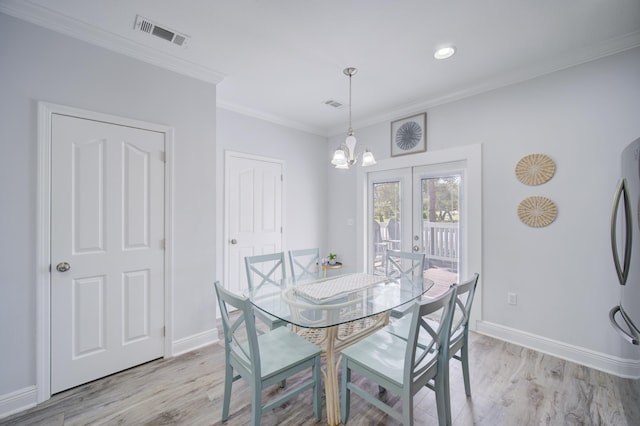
point(386, 221)
point(440, 231)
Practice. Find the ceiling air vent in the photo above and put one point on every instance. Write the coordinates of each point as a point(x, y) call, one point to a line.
point(148, 26)
point(333, 103)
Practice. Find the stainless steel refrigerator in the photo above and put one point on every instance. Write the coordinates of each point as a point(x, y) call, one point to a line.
point(625, 245)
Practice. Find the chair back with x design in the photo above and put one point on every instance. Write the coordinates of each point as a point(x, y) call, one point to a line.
point(404, 265)
point(265, 269)
point(305, 264)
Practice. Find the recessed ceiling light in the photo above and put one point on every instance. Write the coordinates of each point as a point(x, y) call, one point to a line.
point(444, 52)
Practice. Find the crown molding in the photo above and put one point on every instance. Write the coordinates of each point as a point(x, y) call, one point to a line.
point(270, 118)
point(52, 20)
point(57, 22)
point(578, 57)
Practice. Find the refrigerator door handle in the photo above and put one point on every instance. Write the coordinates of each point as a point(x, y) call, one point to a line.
point(621, 193)
point(631, 337)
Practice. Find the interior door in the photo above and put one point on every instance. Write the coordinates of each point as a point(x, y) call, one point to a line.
point(107, 249)
point(254, 213)
point(418, 209)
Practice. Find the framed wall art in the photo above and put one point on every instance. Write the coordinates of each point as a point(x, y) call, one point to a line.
point(409, 135)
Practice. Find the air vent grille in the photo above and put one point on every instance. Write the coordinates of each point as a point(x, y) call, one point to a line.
point(333, 103)
point(148, 26)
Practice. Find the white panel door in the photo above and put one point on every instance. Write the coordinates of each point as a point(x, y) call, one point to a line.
point(107, 230)
point(254, 212)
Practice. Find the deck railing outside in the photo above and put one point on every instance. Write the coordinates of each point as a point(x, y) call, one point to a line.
point(441, 239)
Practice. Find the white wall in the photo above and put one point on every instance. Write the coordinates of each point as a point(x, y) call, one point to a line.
point(563, 274)
point(37, 64)
point(304, 181)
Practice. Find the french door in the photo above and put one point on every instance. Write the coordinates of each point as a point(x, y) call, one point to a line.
point(419, 209)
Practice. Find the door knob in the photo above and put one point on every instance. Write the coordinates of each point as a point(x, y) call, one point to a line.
point(63, 267)
point(416, 248)
point(234, 241)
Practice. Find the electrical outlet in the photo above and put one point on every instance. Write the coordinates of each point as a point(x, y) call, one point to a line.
point(512, 298)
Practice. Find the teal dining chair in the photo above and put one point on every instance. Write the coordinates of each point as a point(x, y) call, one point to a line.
point(459, 340)
point(401, 366)
point(460, 330)
point(404, 265)
point(305, 264)
point(263, 360)
point(266, 269)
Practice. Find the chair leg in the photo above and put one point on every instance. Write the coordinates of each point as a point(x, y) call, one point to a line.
point(464, 358)
point(317, 397)
point(345, 393)
point(226, 401)
point(256, 404)
point(407, 408)
point(442, 399)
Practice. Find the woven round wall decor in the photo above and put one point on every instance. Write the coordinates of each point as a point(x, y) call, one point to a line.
point(537, 211)
point(535, 169)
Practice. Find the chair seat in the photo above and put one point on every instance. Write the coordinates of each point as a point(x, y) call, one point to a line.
point(269, 320)
point(273, 359)
point(401, 310)
point(400, 328)
point(383, 354)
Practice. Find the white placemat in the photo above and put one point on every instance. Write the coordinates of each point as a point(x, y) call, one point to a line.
point(330, 288)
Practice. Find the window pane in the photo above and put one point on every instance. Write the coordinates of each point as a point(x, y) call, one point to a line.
point(441, 230)
point(386, 221)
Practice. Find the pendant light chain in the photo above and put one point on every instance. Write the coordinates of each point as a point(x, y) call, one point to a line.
point(350, 128)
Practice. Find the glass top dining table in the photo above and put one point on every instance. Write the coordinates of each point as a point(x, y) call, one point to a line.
point(335, 312)
point(328, 302)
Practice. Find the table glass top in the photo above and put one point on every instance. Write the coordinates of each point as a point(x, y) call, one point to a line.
point(336, 300)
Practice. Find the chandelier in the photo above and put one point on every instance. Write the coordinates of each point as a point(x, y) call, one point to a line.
point(347, 155)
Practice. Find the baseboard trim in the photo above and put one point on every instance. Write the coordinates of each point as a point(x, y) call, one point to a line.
point(195, 341)
point(26, 398)
point(621, 367)
point(17, 401)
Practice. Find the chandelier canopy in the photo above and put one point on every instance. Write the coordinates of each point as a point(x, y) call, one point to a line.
point(347, 153)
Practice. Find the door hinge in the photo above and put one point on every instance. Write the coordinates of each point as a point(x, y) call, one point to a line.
point(164, 244)
point(164, 331)
point(163, 156)
point(281, 178)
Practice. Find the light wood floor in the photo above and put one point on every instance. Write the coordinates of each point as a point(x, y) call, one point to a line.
point(511, 385)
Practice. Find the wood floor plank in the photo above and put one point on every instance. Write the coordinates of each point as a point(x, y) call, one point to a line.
point(510, 385)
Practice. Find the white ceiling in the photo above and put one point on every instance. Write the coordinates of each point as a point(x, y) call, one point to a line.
point(281, 59)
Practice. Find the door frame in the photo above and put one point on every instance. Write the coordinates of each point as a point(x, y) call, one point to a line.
point(225, 238)
point(43, 245)
point(471, 156)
